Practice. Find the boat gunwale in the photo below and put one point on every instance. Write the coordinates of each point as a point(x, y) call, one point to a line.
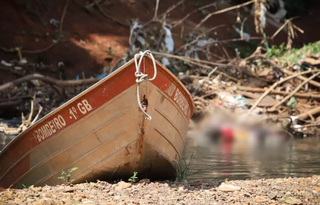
point(112, 75)
point(163, 70)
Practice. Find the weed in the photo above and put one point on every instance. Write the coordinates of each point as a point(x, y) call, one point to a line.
point(182, 169)
point(110, 51)
point(82, 42)
point(276, 51)
point(66, 175)
point(133, 178)
point(294, 55)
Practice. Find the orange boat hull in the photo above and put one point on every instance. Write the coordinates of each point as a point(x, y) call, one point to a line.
point(103, 133)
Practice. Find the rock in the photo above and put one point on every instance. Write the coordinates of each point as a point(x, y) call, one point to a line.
point(272, 195)
point(228, 187)
point(69, 190)
point(261, 200)
point(147, 181)
point(247, 194)
point(123, 185)
point(148, 196)
point(291, 200)
point(45, 202)
point(154, 192)
point(36, 189)
point(180, 189)
point(316, 188)
point(277, 187)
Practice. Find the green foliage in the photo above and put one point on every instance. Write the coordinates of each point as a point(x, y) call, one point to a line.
point(182, 169)
point(109, 51)
point(66, 175)
point(276, 51)
point(133, 178)
point(294, 55)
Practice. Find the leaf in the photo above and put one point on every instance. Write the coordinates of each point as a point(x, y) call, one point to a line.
point(74, 169)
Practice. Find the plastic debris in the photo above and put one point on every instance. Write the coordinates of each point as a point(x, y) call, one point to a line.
point(54, 22)
point(101, 75)
point(3, 62)
point(168, 38)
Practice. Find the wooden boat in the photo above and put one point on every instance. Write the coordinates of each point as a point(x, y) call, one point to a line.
point(106, 131)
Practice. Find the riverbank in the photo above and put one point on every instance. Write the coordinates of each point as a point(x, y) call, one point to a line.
point(262, 191)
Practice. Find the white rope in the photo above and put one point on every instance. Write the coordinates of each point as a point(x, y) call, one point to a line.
point(141, 76)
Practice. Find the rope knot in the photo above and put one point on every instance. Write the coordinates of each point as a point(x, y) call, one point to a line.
point(142, 77)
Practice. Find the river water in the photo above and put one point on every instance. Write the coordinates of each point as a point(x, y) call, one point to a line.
point(299, 158)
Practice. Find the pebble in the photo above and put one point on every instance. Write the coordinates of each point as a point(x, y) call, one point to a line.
point(272, 195)
point(291, 200)
point(261, 200)
point(228, 187)
point(316, 189)
point(123, 185)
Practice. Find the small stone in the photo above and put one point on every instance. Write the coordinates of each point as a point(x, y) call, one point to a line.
point(36, 189)
point(181, 189)
point(277, 188)
point(44, 202)
point(228, 187)
point(69, 190)
point(123, 185)
point(247, 194)
point(316, 188)
point(261, 200)
point(291, 200)
point(153, 192)
point(147, 181)
point(272, 195)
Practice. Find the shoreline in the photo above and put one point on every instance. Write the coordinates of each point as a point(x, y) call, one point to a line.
point(304, 190)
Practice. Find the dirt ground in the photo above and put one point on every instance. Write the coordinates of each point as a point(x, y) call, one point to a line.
point(264, 191)
point(89, 35)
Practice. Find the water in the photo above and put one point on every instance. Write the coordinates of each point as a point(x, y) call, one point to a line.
point(299, 158)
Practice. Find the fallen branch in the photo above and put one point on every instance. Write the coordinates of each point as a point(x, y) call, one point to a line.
point(222, 11)
point(164, 14)
point(312, 112)
point(312, 82)
point(188, 59)
point(275, 92)
point(295, 90)
point(156, 10)
point(196, 62)
point(48, 80)
point(275, 85)
point(192, 12)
